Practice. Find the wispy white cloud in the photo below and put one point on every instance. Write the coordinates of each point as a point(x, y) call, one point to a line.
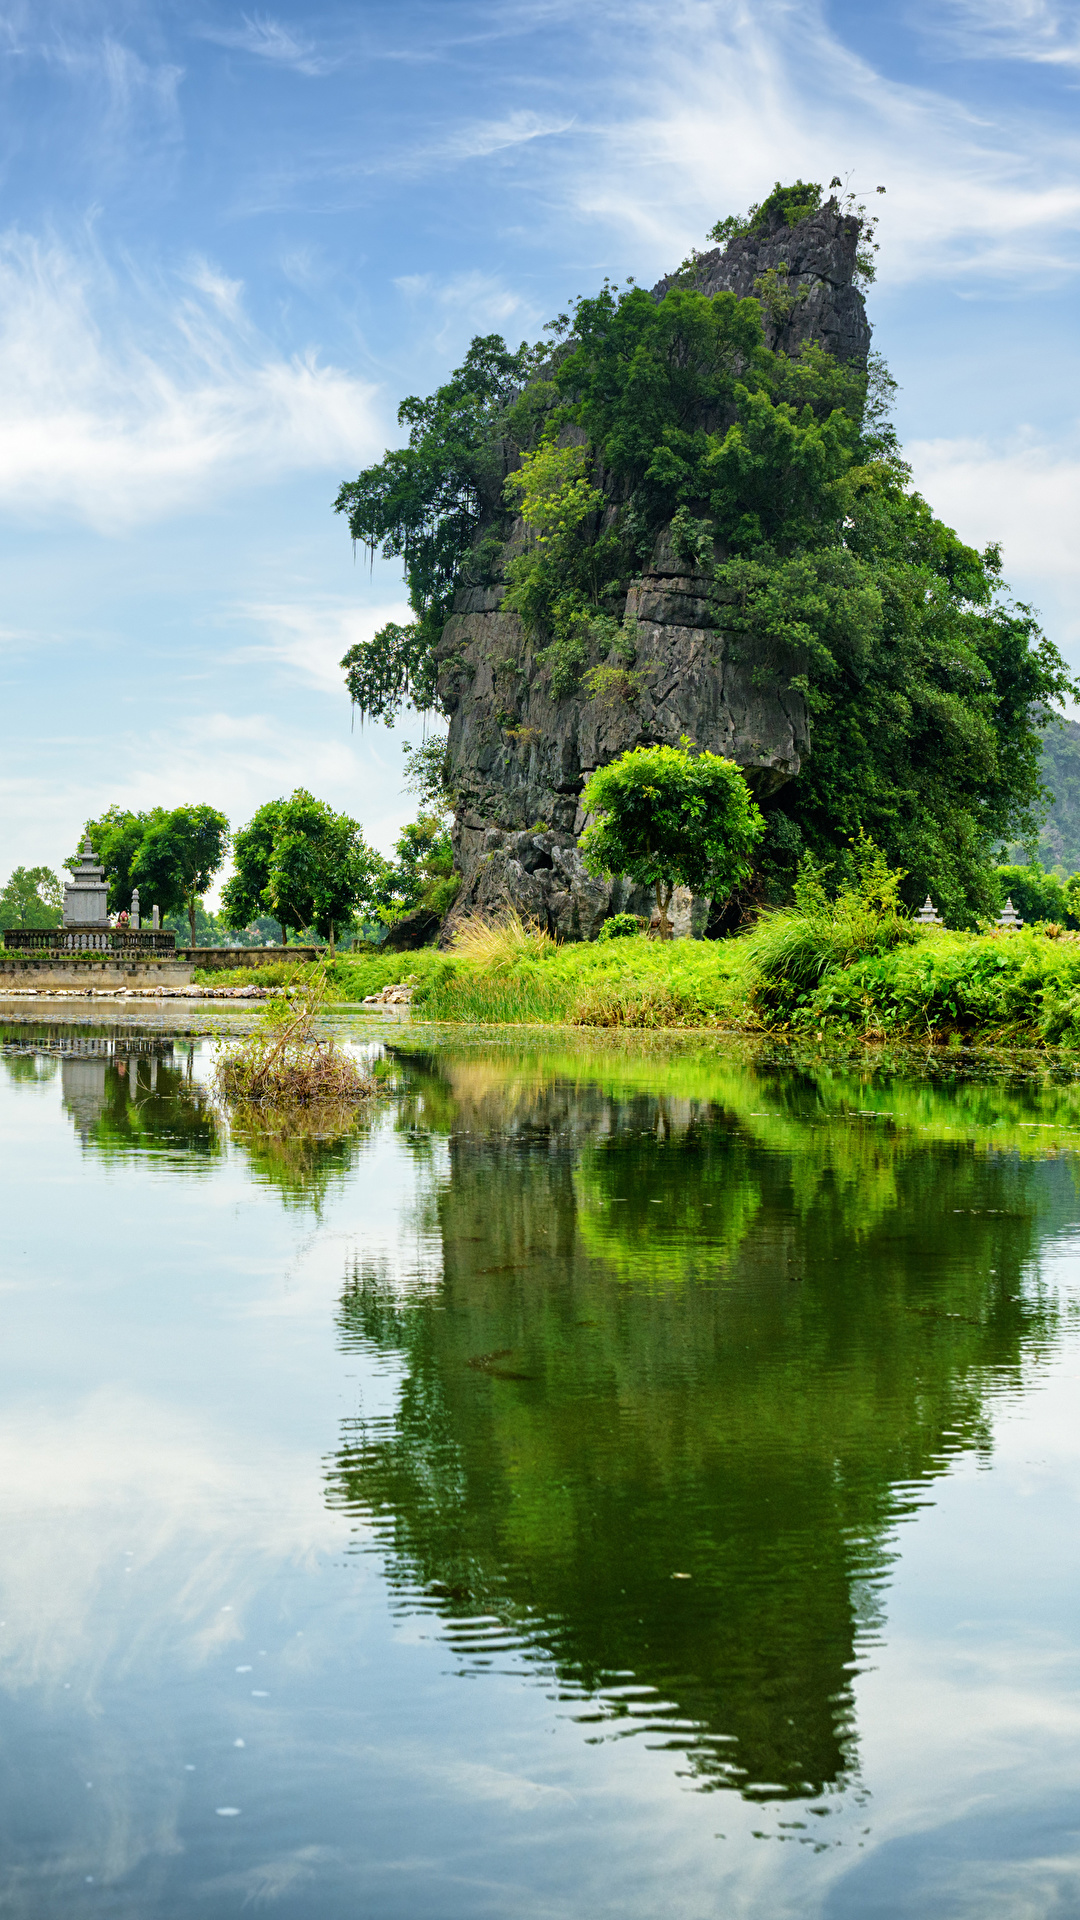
point(267, 39)
point(463, 301)
point(705, 103)
point(310, 637)
point(1028, 30)
point(479, 138)
point(121, 401)
point(135, 101)
point(1025, 493)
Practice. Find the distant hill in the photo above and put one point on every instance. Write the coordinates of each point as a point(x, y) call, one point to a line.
point(1059, 841)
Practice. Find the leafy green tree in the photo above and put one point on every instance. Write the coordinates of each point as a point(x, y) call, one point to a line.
point(425, 773)
point(116, 838)
point(304, 863)
point(33, 897)
point(422, 872)
point(424, 503)
point(669, 817)
point(178, 856)
point(1038, 895)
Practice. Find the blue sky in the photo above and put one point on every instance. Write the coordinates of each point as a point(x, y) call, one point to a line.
point(230, 241)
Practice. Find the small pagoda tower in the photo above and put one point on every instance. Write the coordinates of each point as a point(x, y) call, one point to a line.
point(86, 895)
point(928, 915)
point(1008, 917)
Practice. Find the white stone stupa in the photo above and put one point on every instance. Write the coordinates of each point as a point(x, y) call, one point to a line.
point(86, 894)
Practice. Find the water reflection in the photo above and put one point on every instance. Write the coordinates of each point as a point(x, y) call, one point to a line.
point(131, 1093)
point(692, 1358)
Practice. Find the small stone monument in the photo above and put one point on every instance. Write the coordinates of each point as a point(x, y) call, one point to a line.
point(1008, 917)
point(133, 921)
point(928, 915)
point(155, 919)
point(86, 894)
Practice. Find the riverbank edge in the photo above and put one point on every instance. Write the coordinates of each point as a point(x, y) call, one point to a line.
point(1018, 991)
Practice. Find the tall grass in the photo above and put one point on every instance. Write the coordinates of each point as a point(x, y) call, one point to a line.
point(498, 945)
point(791, 950)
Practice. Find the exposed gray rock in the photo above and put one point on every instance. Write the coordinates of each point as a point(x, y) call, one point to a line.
point(815, 262)
point(541, 876)
point(415, 929)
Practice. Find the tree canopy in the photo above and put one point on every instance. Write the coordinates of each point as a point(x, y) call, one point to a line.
point(33, 897)
point(180, 852)
point(783, 484)
point(303, 863)
point(669, 817)
point(116, 838)
point(170, 854)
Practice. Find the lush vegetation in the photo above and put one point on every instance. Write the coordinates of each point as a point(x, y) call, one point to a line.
point(33, 897)
point(170, 854)
point(668, 818)
point(782, 482)
point(286, 1065)
point(853, 966)
point(303, 863)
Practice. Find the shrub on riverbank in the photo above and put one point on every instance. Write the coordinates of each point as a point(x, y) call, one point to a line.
point(1006, 987)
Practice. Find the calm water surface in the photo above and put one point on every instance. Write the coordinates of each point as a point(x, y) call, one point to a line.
point(607, 1484)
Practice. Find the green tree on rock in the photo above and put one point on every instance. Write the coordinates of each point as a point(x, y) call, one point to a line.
point(669, 817)
point(178, 856)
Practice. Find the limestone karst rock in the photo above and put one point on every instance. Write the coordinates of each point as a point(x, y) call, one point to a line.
point(519, 756)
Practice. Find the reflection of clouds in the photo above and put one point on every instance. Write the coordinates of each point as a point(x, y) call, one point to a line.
point(261, 1885)
point(124, 1493)
point(138, 1542)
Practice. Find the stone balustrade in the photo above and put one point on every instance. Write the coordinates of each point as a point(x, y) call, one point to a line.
point(61, 941)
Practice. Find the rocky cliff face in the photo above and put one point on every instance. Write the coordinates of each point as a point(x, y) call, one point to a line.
point(519, 756)
point(813, 264)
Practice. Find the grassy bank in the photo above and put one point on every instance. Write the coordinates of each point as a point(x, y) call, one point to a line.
point(518, 977)
point(880, 978)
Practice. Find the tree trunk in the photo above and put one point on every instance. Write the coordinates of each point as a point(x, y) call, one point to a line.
point(664, 891)
point(191, 918)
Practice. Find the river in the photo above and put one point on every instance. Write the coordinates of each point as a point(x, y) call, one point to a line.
point(613, 1481)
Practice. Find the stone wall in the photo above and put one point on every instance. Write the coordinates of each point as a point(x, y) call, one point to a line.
point(31, 971)
point(247, 956)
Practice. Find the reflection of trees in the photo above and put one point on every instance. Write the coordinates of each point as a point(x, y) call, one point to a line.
point(138, 1102)
point(746, 1383)
point(303, 1164)
point(130, 1093)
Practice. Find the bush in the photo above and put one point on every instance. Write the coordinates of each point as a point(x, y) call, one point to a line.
point(622, 926)
point(790, 951)
point(283, 1063)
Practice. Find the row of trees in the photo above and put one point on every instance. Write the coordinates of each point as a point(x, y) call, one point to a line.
point(296, 863)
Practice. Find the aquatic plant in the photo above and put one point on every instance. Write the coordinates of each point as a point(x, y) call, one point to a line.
point(285, 1063)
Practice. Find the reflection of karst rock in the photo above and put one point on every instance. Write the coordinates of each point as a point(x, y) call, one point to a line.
point(645, 1357)
point(519, 757)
